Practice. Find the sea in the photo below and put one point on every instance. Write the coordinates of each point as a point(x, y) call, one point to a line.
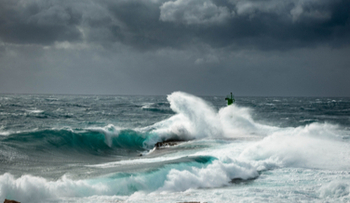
point(102, 148)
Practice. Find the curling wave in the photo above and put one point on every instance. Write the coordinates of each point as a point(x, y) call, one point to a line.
point(92, 141)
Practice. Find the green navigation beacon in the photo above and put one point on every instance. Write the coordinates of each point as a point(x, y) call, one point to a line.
point(230, 100)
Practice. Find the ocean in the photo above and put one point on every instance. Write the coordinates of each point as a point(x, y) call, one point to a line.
point(85, 148)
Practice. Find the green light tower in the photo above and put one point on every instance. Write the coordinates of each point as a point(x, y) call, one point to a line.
point(230, 100)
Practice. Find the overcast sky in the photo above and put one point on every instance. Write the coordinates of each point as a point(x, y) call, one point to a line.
point(155, 47)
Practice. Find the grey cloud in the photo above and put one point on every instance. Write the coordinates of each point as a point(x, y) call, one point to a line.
point(52, 15)
point(193, 12)
point(289, 9)
point(159, 46)
point(151, 25)
point(36, 22)
point(139, 26)
point(265, 25)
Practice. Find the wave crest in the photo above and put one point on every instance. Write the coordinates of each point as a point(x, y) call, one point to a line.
point(94, 141)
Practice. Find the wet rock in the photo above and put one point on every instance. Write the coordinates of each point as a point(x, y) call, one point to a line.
point(240, 180)
point(191, 202)
point(10, 201)
point(164, 144)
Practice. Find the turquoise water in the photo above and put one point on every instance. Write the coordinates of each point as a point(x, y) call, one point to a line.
point(65, 148)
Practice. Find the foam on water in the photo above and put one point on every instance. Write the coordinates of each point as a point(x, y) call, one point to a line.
point(309, 162)
point(136, 161)
point(335, 189)
point(35, 111)
point(201, 172)
point(196, 119)
point(28, 188)
point(317, 145)
point(312, 146)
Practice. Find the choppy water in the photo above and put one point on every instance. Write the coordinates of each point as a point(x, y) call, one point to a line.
point(59, 148)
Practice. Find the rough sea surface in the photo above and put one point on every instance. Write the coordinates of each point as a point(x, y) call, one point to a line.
point(64, 148)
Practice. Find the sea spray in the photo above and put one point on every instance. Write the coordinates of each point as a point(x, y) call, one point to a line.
point(201, 115)
point(86, 149)
point(196, 119)
point(312, 146)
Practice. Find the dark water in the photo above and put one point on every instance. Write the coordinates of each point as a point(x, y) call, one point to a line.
point(66, 148)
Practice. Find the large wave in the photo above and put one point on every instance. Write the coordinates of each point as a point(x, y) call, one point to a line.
point(194, 119)
point(91, 140)
point(316, 145)
point(320, 146)
point(196, 172)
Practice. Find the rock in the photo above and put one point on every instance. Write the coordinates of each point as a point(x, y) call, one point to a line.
point(241, 180)
point(191, 202)
point(164, 144)
point(158, 144)
point(10, 201)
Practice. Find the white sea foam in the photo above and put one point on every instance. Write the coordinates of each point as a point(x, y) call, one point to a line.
point(132, 162)
point(5, 133)
point(135, 161)
point(29, 188)
point(179, 177)
point(10, 132)
point(196, 119)
point(299, 155)
point(238, 122)
point(35, 111)
point(148, 152)
point(147, 105)
point(312, 146)
point(335, 189)
point(318, 145)
point(217, 174)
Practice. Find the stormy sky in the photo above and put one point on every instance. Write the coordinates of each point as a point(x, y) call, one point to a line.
point(155, 47)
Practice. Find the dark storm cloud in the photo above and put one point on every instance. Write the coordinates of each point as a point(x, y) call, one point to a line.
point(35, 22)
point(149, 25)
point(266, 24)
point(269, 24)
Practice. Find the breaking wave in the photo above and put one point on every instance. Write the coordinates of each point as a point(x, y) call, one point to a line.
point(198, 172)
point(316, 146)
point(194, 119)
point(94, 141)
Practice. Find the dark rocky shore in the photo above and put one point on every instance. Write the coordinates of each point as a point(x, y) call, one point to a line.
point(159, 145)
point(10, 201)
